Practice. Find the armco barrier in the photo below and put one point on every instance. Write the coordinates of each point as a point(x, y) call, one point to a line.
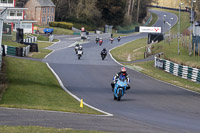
point(185, 72)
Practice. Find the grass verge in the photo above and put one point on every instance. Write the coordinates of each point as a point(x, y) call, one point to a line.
point(42, 51)
point(149, 69)
point(32, 85)
point(134, 51)
point(58, 31)
point(184, 21)
point(154, 19)
point(124, 52)
point(37, 129)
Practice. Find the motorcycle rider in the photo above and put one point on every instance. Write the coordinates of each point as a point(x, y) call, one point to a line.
point(100, 41)
point(97, 39)
point(111, 39)
point(76, 47)
point(119, 38)
point(121, 73)
point(80, 48)
point(104, 51)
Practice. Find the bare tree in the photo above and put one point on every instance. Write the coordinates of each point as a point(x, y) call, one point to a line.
point(128, 18)
point(138, 11)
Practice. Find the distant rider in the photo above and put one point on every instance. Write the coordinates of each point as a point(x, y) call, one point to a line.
point(97, 39)
point(104, 52)
point(100, 41)
point(119, 38)
point(121, 73)
point(76, 47)
point(80, 48)
point(111, 39)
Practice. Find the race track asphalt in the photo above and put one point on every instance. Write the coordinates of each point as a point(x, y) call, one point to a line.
point(150, 106)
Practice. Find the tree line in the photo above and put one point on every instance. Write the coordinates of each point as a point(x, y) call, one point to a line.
point(101, 12)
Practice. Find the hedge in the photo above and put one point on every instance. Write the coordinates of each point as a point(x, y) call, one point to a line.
point(64, 25)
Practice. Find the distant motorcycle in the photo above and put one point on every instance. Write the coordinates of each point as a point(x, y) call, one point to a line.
point(103, 55)
point(79, 54)
point(111, 40)
point(120, 88)
point(100, 42)
point(76, 48)
point(118, 39)
point(97, 40)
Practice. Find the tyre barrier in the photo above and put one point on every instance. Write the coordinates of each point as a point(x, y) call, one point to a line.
point(16, 51)
point(182, 71)
point(30, 39)
point(33, 47)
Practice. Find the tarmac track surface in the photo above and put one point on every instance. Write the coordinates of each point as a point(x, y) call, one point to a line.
point(149, 106)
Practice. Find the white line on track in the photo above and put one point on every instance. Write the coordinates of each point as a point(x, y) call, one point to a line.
point(65, 89)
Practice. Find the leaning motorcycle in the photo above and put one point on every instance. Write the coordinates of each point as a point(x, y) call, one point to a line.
point(120, 88)
point(79, 54)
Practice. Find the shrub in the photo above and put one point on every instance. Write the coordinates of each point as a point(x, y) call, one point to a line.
point(86, 26)
point(53, 24)
point(64, 25)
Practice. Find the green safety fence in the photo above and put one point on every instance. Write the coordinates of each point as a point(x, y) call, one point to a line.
point(18, 51)
point(76, 33)
point(125, 31)
point(185, 72)
point(11, 50)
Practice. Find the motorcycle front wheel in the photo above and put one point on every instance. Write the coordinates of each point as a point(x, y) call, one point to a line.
point(119, 95)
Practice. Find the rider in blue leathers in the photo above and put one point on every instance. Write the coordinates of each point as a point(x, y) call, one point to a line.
point(121, 73)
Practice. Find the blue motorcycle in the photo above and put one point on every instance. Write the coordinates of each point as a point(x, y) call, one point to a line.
point(120, 88)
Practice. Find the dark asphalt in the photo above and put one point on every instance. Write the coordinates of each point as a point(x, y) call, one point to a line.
point(150, 106)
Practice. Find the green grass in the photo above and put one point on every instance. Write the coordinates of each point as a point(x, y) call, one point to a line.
point(133, 51)
point(61, 31)
point(38, 129)
point(170, 52)
point(154, 19)
point(184, 21)
point(58, 31)
point(13, 44)
point(42, 51)
point(149, 69)
point(32, 85)
point(41, 37)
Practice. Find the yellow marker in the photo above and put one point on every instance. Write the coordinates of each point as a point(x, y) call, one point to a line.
point(81, 104)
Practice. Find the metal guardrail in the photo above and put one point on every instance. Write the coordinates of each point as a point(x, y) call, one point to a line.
point(182, 71)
